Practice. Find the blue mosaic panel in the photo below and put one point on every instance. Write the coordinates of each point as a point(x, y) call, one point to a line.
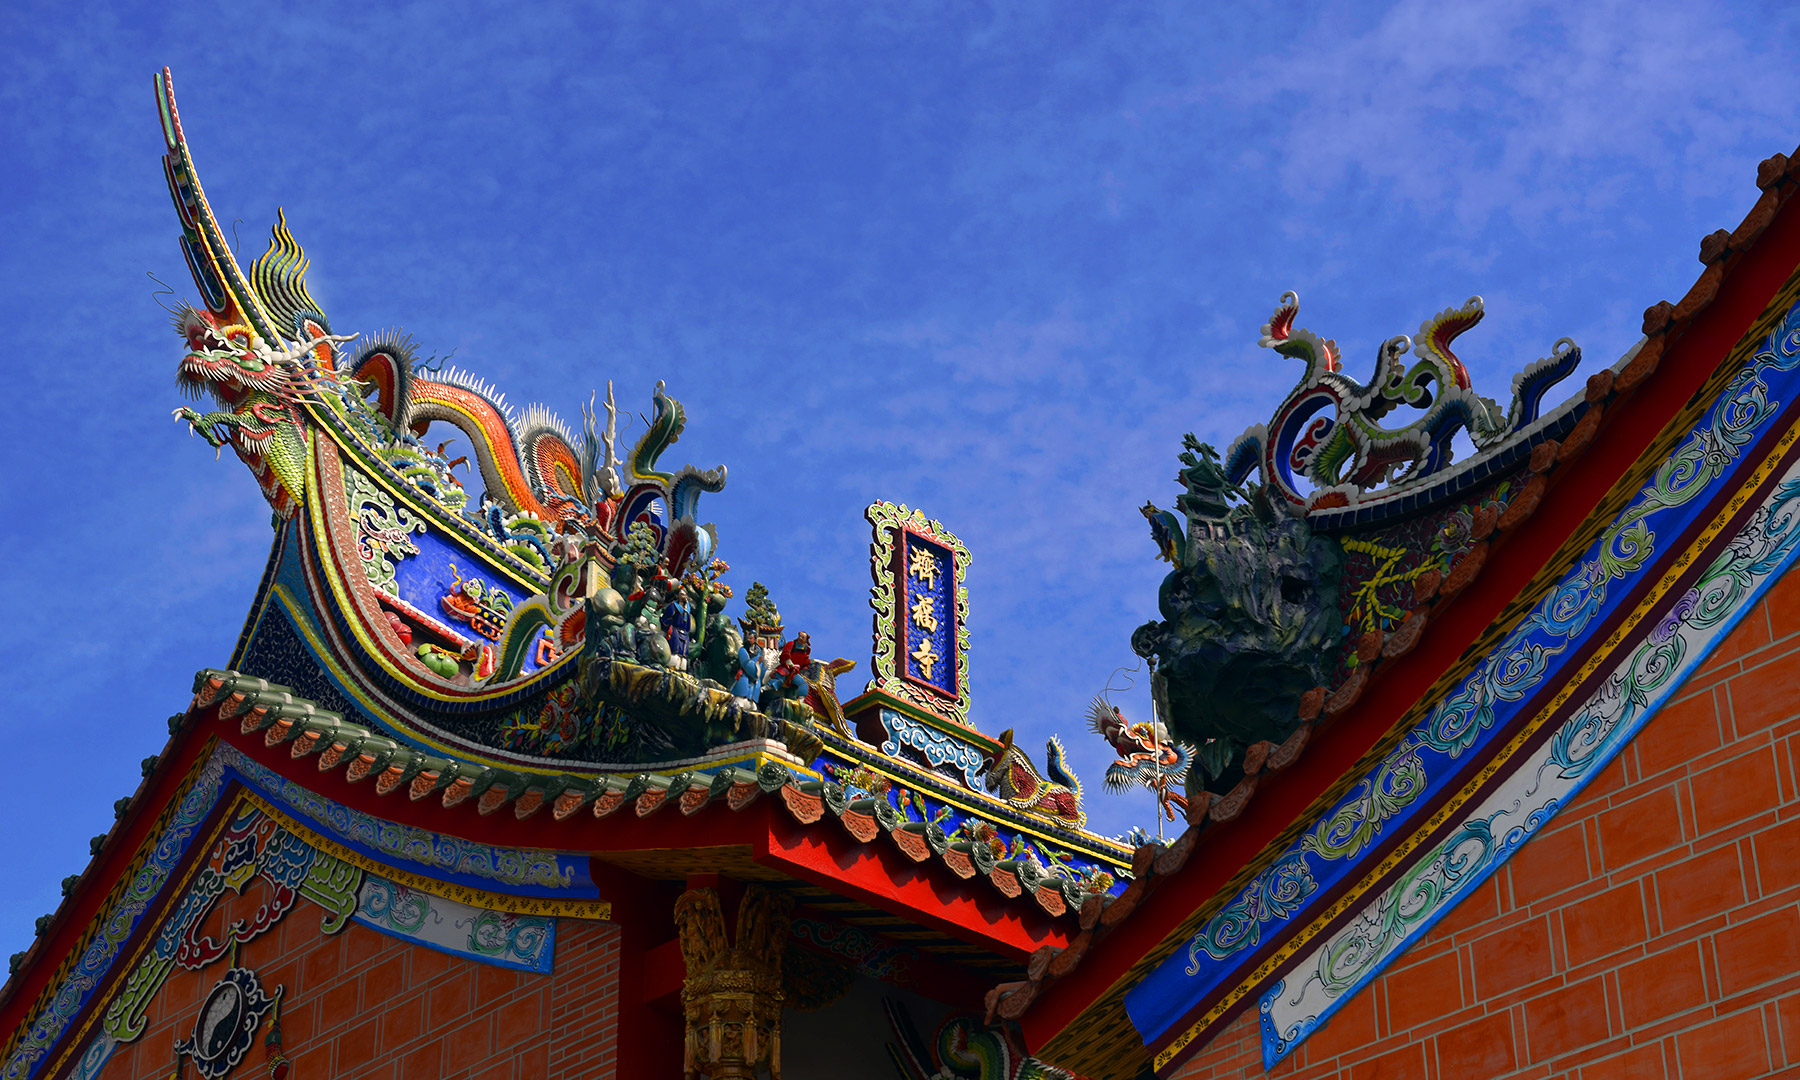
point(928, 622)
point(484, 600)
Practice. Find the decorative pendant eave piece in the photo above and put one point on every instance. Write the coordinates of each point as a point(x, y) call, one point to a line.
point(921, 605)
point(1327, 434)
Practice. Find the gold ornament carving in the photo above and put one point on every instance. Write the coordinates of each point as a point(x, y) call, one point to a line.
point(731, 998)
point(924, 567)
point(893, 564)
point(926, 658)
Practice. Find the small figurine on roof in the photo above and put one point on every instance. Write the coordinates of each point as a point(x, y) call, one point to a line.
point(706, 596)
point(646, 608)
point(605, 621)
point(823, 699)
point(1011, 775)
point(751, 669)
point(677, 628)
point(1148, 755)
point(788, 680)
point(762, 637)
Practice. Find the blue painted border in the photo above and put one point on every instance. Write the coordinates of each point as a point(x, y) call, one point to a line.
point(1442, 749)
point(1275, 1047)
point(337, 821)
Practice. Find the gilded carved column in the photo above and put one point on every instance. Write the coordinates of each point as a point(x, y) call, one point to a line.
point(731, 998)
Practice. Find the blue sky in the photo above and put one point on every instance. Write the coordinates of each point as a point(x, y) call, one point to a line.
point(988, 260)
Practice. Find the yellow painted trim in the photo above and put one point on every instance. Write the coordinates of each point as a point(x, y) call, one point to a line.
point(410, 495)
point(473, 754)
point(354, 691)
point(340, 596)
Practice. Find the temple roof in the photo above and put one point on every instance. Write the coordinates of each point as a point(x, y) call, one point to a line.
point(1622, 425)
point(555, 653)
point(364, 754)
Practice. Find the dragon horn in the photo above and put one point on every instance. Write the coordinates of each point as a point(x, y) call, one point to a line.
point(222, 285)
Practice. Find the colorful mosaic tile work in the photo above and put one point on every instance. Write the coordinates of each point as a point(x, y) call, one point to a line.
point(525, 870)
point(256, 845)
point(1467, 723)
point(1337, 967)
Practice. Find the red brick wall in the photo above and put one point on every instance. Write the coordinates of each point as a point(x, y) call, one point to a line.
point(1652, 929)
point(362, 1004)
point(584, 1002)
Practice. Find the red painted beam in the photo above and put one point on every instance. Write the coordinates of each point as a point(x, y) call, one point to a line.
point(664, 971)
point(823, 853)
point(879, 875)
point(1631, 423)
point(650, 1030)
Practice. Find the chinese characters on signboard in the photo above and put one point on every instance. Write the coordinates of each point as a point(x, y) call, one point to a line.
point(921, 611)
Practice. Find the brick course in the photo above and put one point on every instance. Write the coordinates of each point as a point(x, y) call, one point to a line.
point(362, 1005)
point(1651, 930)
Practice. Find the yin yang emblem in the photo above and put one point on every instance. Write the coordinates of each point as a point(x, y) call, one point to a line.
point(227, 1024)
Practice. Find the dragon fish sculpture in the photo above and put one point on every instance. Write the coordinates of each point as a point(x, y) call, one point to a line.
point(1328, 430)
point(1251, 612)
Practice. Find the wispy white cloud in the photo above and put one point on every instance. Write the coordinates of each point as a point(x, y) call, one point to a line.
point(1537, 111)
point(988, 261)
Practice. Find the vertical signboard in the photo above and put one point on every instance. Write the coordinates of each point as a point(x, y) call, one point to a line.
point(921, 611)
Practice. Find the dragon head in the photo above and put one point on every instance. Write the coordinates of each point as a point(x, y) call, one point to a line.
point(257, 342)
point(232, 361)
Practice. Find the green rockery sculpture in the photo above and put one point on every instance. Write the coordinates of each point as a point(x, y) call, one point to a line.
point(1250, 617)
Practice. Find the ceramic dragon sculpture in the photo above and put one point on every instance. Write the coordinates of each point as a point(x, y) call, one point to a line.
point(1148, 756)
point(1250, 616)
point(261, 347)
point(1328, 431)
